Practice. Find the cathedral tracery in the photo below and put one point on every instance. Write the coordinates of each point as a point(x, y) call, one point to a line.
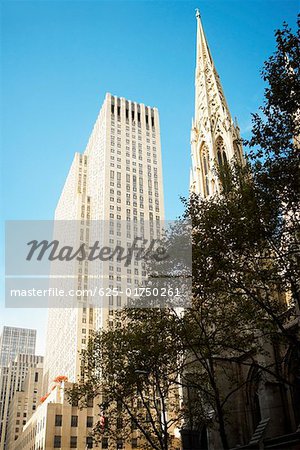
point(237, 151)
point(218, 137)
point(204, 158)
point(221, 151)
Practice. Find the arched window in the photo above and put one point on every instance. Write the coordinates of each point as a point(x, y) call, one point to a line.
point(205, 168)
point(237, 150)
point(221, 151)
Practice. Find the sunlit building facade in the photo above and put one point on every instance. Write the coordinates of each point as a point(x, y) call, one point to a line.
point(215, 137)
point(117, 181)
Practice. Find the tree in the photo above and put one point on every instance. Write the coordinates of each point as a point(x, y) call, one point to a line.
point(133, 371)
point(274, 149)
point(246, 240)
point(238, 291)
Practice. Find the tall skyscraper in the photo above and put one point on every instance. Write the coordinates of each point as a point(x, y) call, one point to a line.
point(116, 181)
point(13, 341)
point(215, 138)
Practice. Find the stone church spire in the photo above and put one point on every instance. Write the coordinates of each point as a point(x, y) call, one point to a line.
point(215, 137)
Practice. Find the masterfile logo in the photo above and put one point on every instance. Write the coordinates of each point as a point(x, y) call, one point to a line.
point(67, 263)
point(140, 250)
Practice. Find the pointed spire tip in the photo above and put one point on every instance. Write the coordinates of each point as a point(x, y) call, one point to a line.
point(197, 13)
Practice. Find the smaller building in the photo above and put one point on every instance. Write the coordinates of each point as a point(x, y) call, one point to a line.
point(12, 383)
point(58, 424)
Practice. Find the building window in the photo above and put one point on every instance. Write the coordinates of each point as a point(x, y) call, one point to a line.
point(89, 442)
point(73, 442)
point(57, 442)
point(36, 377)
point(89, 421)
point(74, 421)
point(238, 150)
point(58, 420)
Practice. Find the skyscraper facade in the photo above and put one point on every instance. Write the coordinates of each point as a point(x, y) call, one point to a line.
point(14, 341)
point(117, 181)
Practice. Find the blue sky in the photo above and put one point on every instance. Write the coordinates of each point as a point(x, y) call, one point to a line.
point(59, 58)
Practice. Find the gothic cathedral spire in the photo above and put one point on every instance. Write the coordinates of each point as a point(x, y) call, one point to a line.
point(214, 137)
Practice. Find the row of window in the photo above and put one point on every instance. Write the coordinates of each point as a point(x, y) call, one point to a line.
point(74, 421)
point(73, 442)
point(132, 128)
point(133, 136)
point(133, 131)
point(133, 163)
